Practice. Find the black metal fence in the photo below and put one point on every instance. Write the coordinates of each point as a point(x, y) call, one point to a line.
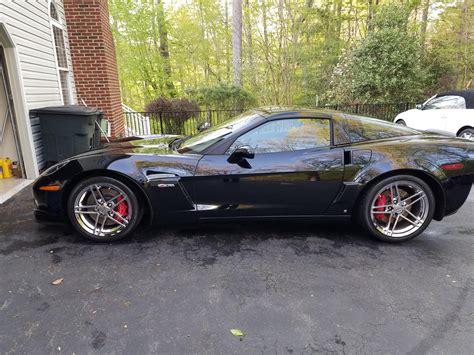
point(187, 122)
point(177, 122)
point(385, 112)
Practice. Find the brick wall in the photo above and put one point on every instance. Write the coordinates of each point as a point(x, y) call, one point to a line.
point(93, 59)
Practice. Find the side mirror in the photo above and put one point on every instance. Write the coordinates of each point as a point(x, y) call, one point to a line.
point(419, 106)
point(240, 154)
point(203, 125)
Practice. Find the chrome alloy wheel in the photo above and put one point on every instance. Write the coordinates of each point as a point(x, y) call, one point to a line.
point(102, 210)
point(399, 209)
point(467, 135)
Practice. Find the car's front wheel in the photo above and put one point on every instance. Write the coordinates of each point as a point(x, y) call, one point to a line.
point(103, 209)
point(401, 122)
point(397, 209)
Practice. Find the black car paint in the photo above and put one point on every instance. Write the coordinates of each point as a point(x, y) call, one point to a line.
point(294, 183)
point(324, 182)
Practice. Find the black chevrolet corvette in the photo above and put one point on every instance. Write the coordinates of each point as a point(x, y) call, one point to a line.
point(265, 163)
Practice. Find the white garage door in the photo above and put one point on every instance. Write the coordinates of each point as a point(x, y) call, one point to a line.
point(9, 145)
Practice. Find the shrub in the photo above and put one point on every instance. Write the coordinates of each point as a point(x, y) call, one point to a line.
point(173, 112)
point(386, 66)
point(222, 97)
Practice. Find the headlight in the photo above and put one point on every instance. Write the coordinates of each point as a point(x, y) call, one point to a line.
point(54, 168)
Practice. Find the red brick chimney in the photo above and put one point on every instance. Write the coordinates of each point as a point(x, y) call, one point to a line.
point(93, 59)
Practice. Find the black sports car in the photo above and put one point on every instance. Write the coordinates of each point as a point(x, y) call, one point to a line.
point(265, 163)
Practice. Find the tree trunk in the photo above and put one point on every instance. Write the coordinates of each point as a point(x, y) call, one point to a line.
point(164, 50)
point(424, 23)
point(237, 41)
point(465, 38)
point(227, 51)
point(270, 90)
point(338, 18)
point(249, 42)
point(371, 12)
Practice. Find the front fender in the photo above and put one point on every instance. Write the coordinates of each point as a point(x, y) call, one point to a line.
point(170, 200)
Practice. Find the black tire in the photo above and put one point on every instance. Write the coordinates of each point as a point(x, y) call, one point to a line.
point(401, 122)
point(364, 214)
point(82, 222)
point(467, 133)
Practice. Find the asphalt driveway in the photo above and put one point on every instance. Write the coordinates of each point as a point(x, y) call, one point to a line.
point(291, 288)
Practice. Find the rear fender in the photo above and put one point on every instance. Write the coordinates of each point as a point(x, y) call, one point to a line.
point(371, 171)
point(370, 174)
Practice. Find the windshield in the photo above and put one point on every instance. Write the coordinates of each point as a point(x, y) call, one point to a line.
point(200, 141)
point(445, 102)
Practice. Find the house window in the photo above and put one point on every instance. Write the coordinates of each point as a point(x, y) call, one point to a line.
point(53, 12)
point(64, 79)
point(60, 51)
point(60, 48)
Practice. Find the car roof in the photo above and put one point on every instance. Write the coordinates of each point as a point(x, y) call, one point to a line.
point(467, 94)
point(290, 112)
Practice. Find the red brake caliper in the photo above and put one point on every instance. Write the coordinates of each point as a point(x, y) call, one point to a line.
point(122, 208)
point(382, 201)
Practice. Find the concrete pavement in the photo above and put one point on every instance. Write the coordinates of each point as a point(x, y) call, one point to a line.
point(291, 288)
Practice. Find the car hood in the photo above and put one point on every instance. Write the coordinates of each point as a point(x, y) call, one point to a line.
point(156, 145)
point(437, 132)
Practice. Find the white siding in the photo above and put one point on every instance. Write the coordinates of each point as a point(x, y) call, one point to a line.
point(30, 29)
point(28, 24)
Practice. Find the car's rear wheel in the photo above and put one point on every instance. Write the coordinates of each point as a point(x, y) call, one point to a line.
point(401, 122)
point(103, 209)
point(397, 209)
point(467, 133)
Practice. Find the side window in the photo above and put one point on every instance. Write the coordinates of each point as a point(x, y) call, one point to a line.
point(286, 135)
point(446, 102)
point(362, 129)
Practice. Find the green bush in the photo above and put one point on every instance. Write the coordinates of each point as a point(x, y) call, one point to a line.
point(173, 112)
point(386, 66)
point(222, 97)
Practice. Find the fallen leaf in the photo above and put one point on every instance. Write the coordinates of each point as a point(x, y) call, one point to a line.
point(57, 282)
point(237, 332)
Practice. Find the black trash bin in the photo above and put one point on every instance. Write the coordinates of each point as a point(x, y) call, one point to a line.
point(68, 130)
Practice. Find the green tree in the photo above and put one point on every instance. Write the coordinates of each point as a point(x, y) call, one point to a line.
point(222, 96)
point(452, 47)
point(140, 35)
point(387, 65)
point(299, 52)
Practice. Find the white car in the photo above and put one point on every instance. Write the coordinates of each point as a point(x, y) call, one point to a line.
point(451, 112)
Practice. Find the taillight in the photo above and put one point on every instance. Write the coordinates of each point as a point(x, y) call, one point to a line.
point(451, 167)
